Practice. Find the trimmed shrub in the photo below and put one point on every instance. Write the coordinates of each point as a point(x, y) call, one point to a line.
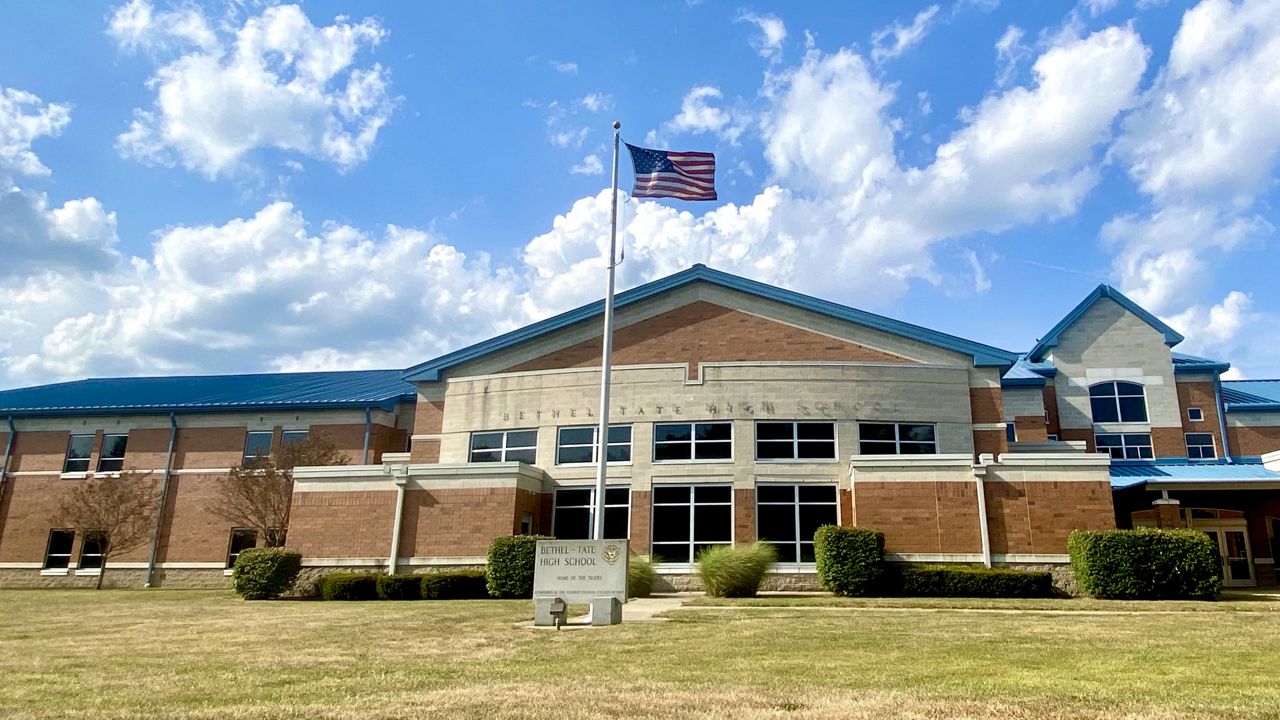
point(265, 573)
point(968, 581)
point(1146, 564)
point(348, 586)
point(735, 570)
point(509, 573)
point(640, 576)
point(399, 587)
point(454, 585)
point(850, 560)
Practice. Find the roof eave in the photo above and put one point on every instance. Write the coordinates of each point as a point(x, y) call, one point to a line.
point(385, 404)
point(1251, 407)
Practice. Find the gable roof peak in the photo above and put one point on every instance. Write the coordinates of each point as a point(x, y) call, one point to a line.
point(1050, 340)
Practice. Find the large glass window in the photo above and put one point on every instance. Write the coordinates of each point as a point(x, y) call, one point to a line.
point(1200, 446)
point(577, 445)
point(897, 439)
point(1118, 402)
point(78, 450)
point(257, 444)
point(293, 437)
point(1125, 446)
point(241, 539)
point(688, 519)
point(57, 554)
point(574, 515)
point(693, 441)
point(111, 458)
point(787, 516)
point(91, 551)
point(795, 440)
point(505, 446)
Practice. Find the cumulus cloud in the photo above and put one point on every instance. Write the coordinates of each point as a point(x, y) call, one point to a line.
point(25, 118)
point(595, 102)
point(697, 115)
point(894, 40)
point(590, 165)
point(772, 33)
point(275, 82)
point(1009, 53)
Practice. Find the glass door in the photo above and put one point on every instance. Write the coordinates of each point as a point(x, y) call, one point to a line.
point(1237, 561)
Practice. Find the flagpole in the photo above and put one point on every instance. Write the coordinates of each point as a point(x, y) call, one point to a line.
point(602, 433)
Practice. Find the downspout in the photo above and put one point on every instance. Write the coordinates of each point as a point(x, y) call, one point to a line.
point(400, 474)
point(368, 429)
point(1222, 415)
point(8, 452)
point(979, 476)
point(164, 498)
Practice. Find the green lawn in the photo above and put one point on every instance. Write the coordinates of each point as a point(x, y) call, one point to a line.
point(195, 654)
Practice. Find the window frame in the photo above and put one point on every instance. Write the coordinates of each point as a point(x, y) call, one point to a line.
point(1212, 445)
point(692, 442)
point(591, 507)
point(48, 550)
point(796, 504)
point(796, 440)
point(86, 459)
point(897, 438)
point(285, 440)
point(1115, 397)
point(595, 445)
point(248, 435)
point(1010, 432)
point(1124, 446)
point(93, 536)
point(1198, 412)
point(102, 453)
point(232, 553)
point(505, 449)
point(692, 504)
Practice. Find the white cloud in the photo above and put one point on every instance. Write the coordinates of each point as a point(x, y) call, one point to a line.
point(564, 68)
point(276, 82)
point(923, 102)
point(569, 138)
point(1009, 53)
point(595, 102)
point(698, 116)
point(1214, 329)
point(894, 40)
point(772, 33)
point(590, 165)
point(25, 118)
point(1098, 7)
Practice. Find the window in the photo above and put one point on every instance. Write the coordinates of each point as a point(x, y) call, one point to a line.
point(574, 515)
point(1010, 432)
point(795, 441)
point(91, 551)
point(505, 446)
point(1195, 414)
point(78, 451)
point(57, 555)
point(241, 539)
point(1118, 402)
point(111, 459)
point(293, 437)
point(1052, 437)
point(1126, 446)
point(688, 519)
point(896, 439)
point(1200, 446)
point(257, 444)
point(577, 445)
point(526, 523)
point(787, 516)
point(693, 441)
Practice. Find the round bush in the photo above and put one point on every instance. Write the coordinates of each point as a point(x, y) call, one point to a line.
point(454, 585)
point(348, 586)
point(509, 571)
point(735, 571)
point(1146, 564)
point(399, 587)
point(265, 573)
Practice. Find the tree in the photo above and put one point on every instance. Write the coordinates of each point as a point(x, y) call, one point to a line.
point(116, 510)
point(257, 494)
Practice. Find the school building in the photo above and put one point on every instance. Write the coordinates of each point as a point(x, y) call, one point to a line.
point(739, 411)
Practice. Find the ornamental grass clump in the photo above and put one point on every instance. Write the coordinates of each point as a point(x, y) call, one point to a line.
point(735, 571)
point(640, 576)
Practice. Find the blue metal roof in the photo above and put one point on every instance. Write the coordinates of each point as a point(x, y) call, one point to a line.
point(1251, 395)
point(1242, 470)
point(983, 355)
point(1183, 362)
point(1025, 373)
point(1050, 340)
point(211, 393)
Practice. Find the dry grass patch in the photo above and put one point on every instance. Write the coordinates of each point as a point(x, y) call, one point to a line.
point(191, 654)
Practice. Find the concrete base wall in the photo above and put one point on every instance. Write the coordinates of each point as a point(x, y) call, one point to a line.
point(209, 579)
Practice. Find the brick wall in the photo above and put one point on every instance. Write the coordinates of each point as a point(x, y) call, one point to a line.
point(641, 521)
point(920, 517)
point(1036, 517)
point(1031, 428)
point(1054, 426)
point(1250, 440)
point(1200, 394)
point(191, 532)
point(459, 522)
point(343, 524)
point(744, 515)
point(1168, 442)
point(986, 407)
point(703, 332)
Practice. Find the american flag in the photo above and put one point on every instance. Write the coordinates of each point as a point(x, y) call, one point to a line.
point(667, 173)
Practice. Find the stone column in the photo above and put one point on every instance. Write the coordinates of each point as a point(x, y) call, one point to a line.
point(1168, 513)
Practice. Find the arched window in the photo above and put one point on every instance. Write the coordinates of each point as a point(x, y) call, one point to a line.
point(1118, 402)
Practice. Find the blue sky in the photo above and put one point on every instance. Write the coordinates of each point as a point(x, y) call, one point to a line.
point(243, 187)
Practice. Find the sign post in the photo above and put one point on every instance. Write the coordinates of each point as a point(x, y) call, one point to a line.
point(578, 571)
